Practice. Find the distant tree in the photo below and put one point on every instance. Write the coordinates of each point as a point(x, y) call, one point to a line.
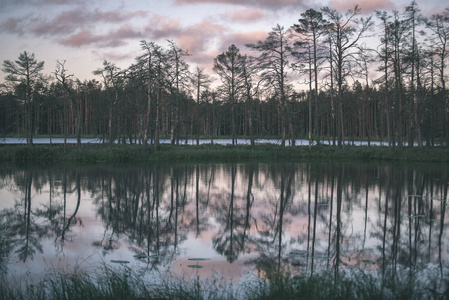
point(67, 83)
point(397, 32)
point(147, 75)
point(26, 73)
point(9, 113)
point(439, 25)
point(228, 66)
point(200, 80)
point(249, 70)
point(384, 56)
point(413, 19)
point(209, 97)
point(111, 80)
point(178, 75)
point(160, 75)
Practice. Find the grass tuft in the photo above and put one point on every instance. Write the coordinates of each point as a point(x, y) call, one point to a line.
point(112, 283)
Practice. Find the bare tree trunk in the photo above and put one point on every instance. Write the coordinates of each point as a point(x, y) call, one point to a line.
point(156, 119)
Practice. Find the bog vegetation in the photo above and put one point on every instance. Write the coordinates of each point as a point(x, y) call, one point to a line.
point(394, 90)
point(126, 284)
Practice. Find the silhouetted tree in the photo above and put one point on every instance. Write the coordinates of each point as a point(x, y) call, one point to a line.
point(26, 73)
point(273, 62)
point(345, 32)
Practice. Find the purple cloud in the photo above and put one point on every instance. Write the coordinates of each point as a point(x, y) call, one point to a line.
point(67, 22)
point(12, 25)
point(23, 3)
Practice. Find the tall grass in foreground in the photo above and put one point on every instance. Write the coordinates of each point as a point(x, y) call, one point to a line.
point(123, 284)
point(357, 285)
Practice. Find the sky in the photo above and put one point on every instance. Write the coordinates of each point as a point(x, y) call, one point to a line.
point(84, 33)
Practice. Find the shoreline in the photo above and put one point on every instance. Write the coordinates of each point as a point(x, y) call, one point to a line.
point(117, 153)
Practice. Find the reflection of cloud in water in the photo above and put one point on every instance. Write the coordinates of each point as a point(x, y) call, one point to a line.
point(121, 214)
point(215, 266)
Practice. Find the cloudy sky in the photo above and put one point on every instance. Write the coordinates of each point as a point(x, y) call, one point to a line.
point(86, 32)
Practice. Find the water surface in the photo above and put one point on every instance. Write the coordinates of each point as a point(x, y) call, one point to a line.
point(231, 220)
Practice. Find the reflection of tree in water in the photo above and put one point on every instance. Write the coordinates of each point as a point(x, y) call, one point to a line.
point(55, 214)
point(233, 213)
point(26, 227)
point(192, 206)
point(271, 223)
point(20, 225)
point(408, 230)
point(72, 219)
point(411, 227)
point(144, 207)
point(155, 208)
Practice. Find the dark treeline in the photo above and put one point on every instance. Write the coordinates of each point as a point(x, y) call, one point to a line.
point(315, 79)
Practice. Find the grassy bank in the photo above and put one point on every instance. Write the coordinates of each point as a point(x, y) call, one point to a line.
point(124, 284)
point(45, 154)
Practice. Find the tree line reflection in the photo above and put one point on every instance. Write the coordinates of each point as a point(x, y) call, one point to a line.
point(304, 217)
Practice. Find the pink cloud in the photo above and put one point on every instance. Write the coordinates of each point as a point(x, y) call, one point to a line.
point(82, 38)
point(193, 38)
point(126, 31)
point(366, 6)
point(64, 24)
point(193, 44)
point(72, 16)
point(207, 28)
point(163, 27)
point(247, 15)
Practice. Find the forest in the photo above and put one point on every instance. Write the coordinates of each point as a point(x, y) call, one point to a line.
point(321, 79)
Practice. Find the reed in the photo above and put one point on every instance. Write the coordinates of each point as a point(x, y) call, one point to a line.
point(124, 284)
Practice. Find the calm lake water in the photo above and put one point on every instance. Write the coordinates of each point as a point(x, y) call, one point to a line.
point(233, 220)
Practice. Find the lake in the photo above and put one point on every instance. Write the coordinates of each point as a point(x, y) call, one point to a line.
point(236, 221)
